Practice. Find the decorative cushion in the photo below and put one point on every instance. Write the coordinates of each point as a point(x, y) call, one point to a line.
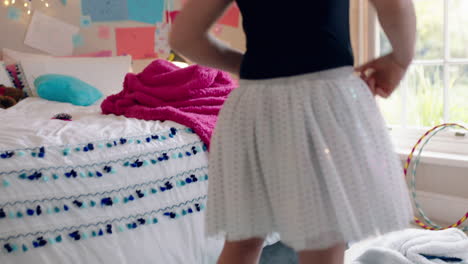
point(68, 89)
point(106, 74)
point(4, 78)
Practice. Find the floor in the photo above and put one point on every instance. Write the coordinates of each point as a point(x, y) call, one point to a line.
point(279, 253)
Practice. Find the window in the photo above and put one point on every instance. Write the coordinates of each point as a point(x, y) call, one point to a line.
point(435, 89)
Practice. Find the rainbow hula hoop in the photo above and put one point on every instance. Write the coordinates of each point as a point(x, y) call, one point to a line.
point(427, 136)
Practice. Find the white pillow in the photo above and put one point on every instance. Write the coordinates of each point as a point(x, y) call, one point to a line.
point(12, 56)
point(106, 74)
point(4, 78)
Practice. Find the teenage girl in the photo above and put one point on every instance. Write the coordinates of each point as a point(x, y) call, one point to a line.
point(300, 148)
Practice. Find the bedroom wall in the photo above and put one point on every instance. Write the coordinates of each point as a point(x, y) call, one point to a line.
point(12, 32)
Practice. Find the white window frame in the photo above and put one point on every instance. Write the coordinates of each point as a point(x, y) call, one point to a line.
point(448, 142)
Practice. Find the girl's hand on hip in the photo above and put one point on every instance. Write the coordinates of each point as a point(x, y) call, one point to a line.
point(382, 75)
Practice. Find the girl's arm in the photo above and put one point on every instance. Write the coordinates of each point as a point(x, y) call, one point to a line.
point(383, 75)
point(190, 36)
point(398, 20)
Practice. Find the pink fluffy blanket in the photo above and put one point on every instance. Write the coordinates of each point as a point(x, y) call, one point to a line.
point(190, 96)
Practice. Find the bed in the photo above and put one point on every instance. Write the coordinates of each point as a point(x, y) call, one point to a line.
point(100, 188)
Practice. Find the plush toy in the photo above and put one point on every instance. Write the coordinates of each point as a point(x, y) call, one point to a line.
point(6, 101)
point(9, 96)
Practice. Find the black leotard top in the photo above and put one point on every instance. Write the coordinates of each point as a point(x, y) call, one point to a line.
point(291, 38)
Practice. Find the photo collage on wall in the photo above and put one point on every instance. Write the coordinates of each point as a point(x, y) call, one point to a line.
point(56, 37)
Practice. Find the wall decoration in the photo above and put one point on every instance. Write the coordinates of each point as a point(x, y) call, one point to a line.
point(85, 21)
point(104, 32)
point(99, 35)
point(146, 11)
point(50, 35)
point(105, 10)
point(171, 16)
point(14, 13)
point(28, 4)
point(78, 40)
point(138, 42)
point(161, 46)
point(231, 16)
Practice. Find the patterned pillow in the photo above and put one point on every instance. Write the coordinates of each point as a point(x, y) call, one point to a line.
point(16, 76)
point(4, 76)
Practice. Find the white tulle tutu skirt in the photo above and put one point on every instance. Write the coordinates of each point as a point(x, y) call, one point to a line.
point(308, 157)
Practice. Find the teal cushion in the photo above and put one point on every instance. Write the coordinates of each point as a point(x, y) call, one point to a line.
point(63, 88)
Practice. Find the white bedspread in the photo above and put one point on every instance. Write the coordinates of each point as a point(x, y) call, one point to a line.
point(100, 189)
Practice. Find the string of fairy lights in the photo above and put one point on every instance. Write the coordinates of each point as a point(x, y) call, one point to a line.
point(27, 4)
